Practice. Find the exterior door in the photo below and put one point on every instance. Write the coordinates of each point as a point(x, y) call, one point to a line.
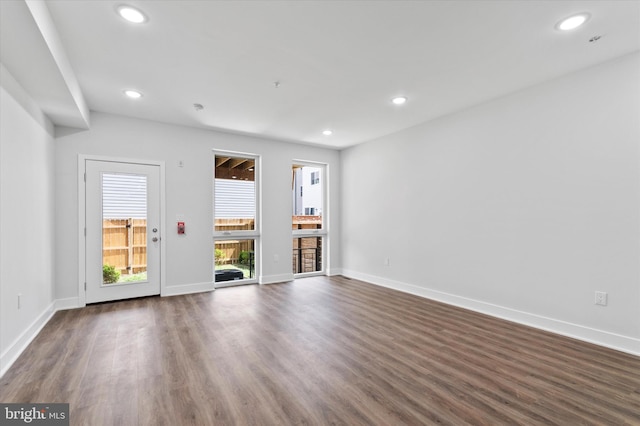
point(122, 202)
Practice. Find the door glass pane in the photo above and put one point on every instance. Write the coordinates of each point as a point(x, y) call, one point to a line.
point(307, 254)
point(307, 184)
point(234, 260)
point(235, 194)
point(124, 228)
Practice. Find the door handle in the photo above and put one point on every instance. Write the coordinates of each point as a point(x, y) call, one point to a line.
point(154, 239)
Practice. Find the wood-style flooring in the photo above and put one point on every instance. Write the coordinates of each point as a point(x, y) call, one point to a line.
point(316, 351)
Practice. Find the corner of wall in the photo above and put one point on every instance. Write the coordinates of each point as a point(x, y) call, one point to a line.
point(66, 304)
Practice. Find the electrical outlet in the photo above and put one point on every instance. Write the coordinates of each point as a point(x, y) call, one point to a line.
point(601, 298)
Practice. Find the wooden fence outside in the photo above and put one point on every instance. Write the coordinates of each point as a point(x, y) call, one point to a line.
point(306, 222)
point(231, 249)
point(124, 245)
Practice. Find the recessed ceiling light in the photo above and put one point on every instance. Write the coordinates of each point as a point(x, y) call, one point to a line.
point(399, 100)
point(327, 132)
point(132, 14)
point(133, 94)
point(573, 22)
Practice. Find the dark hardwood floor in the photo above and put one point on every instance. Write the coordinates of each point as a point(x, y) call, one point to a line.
point(316, 351)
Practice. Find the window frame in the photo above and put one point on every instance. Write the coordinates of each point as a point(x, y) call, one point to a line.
point(253, 234)
point(324, 231)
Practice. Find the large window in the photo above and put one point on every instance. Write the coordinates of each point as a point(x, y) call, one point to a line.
point(307, 219)
point(235, 229)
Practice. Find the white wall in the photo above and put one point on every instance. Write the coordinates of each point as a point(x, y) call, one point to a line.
point(522, 207)
point(27, 209)
point(189, 258)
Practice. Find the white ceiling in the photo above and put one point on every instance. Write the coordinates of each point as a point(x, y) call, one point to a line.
point(339, 63)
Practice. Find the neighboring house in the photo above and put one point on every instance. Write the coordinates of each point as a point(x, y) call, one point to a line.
point(307, 193)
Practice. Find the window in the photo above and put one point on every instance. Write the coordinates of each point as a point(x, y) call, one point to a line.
point(307, 255)
point(308, 222)
point(235, 229)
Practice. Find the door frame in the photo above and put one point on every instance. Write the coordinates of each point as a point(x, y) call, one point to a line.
point(82, 219)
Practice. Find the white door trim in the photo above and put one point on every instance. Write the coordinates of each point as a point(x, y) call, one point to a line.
point(82, 219)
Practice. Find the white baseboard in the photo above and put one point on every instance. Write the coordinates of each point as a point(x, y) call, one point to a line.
point(334, 271)
point(177, 290)
point(599, 337)
point(275, 279)
point(18, 346)
point(64, 304)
